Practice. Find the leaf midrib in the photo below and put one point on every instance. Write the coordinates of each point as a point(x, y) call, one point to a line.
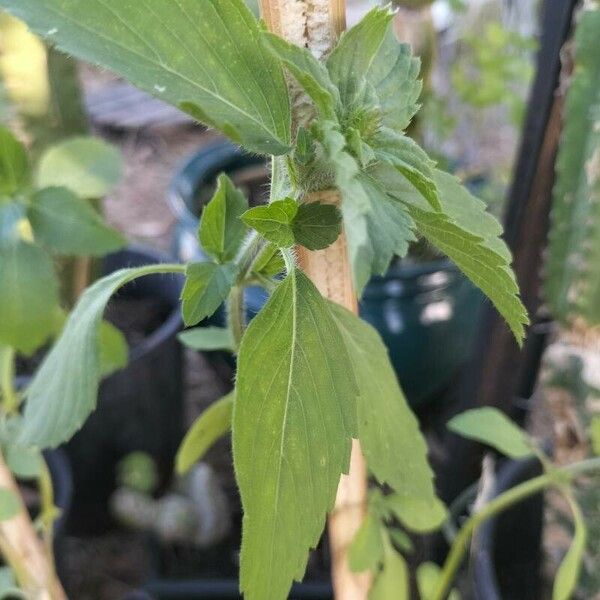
point(272, 134)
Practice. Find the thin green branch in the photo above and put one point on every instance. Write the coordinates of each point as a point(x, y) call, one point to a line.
point(558, 477)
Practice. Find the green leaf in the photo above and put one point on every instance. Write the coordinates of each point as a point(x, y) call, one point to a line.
point(316, 225)
point(213, 423)
point(374, 237)
point(393, 446)
point(417, 514)
point(494, 428)
point(25, 463)
point(114, 350)
point(88, 166)
point(221, 229)
point(205, 57)
point(68, 224)
point(428, 574)
point(366, 551)
point(392, 582)
point(207, 286)
point(467, 235)
point(9, 504)
point(309, 72)
point(351, 59)
point(274, 221)
point(293, 421)
point(64, 390)
point(207, 338)
point(405, 155)
point(14, 164)
point(372, 69)
point(269, 262)
point(401, 540)
point(572, 275)
point(570, 568)
point(28, 298)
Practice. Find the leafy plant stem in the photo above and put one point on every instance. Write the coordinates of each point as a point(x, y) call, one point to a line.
point(558, 477)
point(47, 508)
point(10, 397)
point(236, 314)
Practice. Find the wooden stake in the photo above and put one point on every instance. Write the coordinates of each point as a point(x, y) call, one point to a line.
point(23, 550)
point(330, 271)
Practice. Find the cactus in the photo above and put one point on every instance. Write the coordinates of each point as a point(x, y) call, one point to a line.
point(572, 278)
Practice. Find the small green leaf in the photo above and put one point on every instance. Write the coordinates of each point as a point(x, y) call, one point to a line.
point(294, 417)
point(405, 155)
point(208, 58)
point(9, 504)
point(467, 235)
point(400, 540)
point(207, 286)
point(14, 164)
point(428, 574)
point(317, 226)
point(376, 235)
point(68, 224)
point(366, 551)
point(417, 514)
point(274, 221)
point(492, 427)
point(212, 424)
point(207, 338)
point(570, 568)
point(221, 229)
point(269, 262)
point(25, 463)
point(114, 350)
point(28, 298)
point(88, 166)
point(65, 387)
point(392, 582)
point(351, 59)
point(309, 72)
point(389, 433)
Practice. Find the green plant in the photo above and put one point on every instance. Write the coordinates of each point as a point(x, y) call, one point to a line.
point(381, 543)
point(311, 376)
point(44, 212)
point(572, 274)
point(497, 71)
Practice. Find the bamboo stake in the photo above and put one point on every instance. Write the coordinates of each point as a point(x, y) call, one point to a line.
point(24, 551)
point(330, 271)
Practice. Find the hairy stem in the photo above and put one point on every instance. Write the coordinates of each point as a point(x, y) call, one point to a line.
point(557, 477)
point(236, 314)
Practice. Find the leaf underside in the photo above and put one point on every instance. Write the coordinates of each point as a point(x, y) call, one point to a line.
point(205, 57)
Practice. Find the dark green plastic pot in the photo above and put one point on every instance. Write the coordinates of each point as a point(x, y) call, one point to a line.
point(425, 312)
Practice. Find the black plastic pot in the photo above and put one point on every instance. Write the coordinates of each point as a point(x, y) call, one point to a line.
point(140, 408)
point(506, 553)
point(425, 312)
